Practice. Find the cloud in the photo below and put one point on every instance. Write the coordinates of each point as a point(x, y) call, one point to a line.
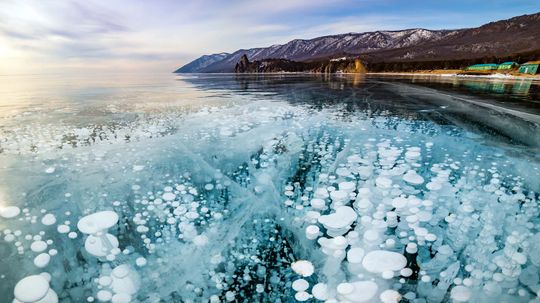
point(164, 34)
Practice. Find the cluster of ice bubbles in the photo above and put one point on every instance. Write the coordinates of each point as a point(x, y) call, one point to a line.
point(340, 217)
point(388, 233)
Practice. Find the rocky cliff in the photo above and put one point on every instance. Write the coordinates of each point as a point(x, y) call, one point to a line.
point(343, 65)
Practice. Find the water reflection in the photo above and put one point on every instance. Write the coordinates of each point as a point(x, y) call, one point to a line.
point(502, 110)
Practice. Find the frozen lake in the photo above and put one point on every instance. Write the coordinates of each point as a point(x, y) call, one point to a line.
point(275, 188)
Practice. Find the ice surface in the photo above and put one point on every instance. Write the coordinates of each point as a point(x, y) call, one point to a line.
point(267, 200)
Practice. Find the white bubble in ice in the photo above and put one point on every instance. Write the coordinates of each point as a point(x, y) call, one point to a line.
point(97, 222)
point(105, 281)
point(413, 178)
point(303, 268)
point(9, 212)
point(300, 285)
point(48, 219)
point(63, 229)
point(318, 203)
point(125, 280)
point(34, 288)
point(168, 196)
point(320, 291)
point(104, 295)
point(383, 182)
point(140, 261)
point(302, 296)
point(200, 240)
point(100, 246)
point(138, 167)
point(42, 260)
point(338, 222)
point(460, 293)
point(312, 232)
point(38, 246)
point(355, 255)
point(357, 292)
point(390, 296)
point(378, 261)
point(50, 170)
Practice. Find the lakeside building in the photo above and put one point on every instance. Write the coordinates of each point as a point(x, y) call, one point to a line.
point(507, 65)
point(529, 67)
point(482, 67)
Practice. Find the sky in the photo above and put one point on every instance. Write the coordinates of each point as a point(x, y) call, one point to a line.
point(65, 36)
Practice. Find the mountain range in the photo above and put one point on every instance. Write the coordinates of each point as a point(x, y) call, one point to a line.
point(496, 39)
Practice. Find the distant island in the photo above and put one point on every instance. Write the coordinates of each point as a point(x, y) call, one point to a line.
point(515, 41)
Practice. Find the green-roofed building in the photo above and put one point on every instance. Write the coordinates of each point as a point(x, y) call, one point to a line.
point(507, 65)
point(529, 67)
point(482, 67)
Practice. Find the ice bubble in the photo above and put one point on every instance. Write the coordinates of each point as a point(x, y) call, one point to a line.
point(390, 296)
point(230, 295)
point(357, 292)
point(320, 291)
point(460, 293)
point(339, 222)
point(168, 196)
point(342, 172)
point(9, 212)
point(406, 272)
point(104, 295)
point(34, 288)
point(100, 246)
point(383, 182)
point(140, 261)
point(300, 285)
point(38, 246)
point(50, 170)
point(200, 240)
point(105, 281)
point(318, 203)
point(355, 255)
point(125, 280)
point(63, 229)
point(347, 186)
point(48, 219)
point(345, 288)
point(121, 298)
point(371, 237)
point(434, 186)
point(138, 167)
point(387, 274)
point(312, 232)
point(412, 154)
point(413, 178)
point(339, 196)
point(399, 202)
point(42, 260)
point(378, 261)
point(333, 245)
point(97, 222)
point(303, 268)
point(302, 296)
point(519, 258)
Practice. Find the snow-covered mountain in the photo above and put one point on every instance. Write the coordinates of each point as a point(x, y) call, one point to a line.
point(502, 37)
point(201, 63)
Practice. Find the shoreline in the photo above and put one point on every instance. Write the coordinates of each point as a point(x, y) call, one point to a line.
point(425, 74)
point(487, 76)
